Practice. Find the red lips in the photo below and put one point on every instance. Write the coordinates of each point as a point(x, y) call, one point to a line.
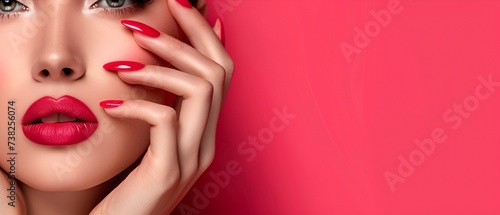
point(58, 122)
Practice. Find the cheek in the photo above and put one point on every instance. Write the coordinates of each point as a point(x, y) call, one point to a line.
point(3, 81)
point(2, 113)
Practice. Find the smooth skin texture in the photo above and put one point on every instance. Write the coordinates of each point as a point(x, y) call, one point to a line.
point(181, 138)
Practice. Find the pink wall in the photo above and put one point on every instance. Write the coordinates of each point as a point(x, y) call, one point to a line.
point(337, 108)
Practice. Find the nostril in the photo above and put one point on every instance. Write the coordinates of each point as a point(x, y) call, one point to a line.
point(61, 74)
point(45, 73)
point(67, 71)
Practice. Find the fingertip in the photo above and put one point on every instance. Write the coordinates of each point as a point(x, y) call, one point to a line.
point(184, 3)
point(123, 66)
point(141, 28)
point(220, 31)
point(109, 104)
point(218, 28)
point(115, 108)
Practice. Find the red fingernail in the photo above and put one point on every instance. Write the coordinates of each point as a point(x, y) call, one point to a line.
point(123, 66)
point(141, 28)
point(221, 31)
point(111, 103)
point(184, 3)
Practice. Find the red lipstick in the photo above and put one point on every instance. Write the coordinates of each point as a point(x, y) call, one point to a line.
point(58, 122)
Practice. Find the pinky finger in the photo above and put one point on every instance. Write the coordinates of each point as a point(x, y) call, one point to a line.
point(158, 174)
point(162, 152)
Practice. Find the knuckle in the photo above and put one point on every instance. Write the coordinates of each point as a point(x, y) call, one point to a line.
point(177, 46)
point(229, 65)
point(218, 74)
point(152, 78)
point(173, 177)
point(166, 114)
point(189, 172)
point(129, 109)
point(205, 87)
point(160, 176)
point(170, 180)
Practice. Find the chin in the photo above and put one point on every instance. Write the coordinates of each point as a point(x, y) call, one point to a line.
point(115, 146)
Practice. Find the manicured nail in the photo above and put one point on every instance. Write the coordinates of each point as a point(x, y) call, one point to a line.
point(123, 66)
point(141, 28)
point(220, 30)
point(111, 103)
point(184, 3)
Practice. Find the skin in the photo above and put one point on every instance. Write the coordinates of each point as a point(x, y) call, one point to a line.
point(148, 152)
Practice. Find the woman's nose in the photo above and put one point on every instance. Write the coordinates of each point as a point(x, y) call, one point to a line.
point(58, 55)
point(58, 67)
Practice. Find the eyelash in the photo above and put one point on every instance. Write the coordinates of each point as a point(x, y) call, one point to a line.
point(7, 15)
point(133, 7)
point(129, 9)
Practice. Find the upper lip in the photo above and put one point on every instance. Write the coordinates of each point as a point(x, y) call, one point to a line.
point(67, 105)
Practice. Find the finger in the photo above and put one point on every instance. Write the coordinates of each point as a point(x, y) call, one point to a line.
point(202, 37)
point(196, 97)
point(199, 32)
point(182, 56)
point(218, 30)
point(229, 69)
point(189, 60)
point(158, 174)
point(163, 121)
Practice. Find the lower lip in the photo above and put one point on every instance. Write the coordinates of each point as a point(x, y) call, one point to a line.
point(59, 134)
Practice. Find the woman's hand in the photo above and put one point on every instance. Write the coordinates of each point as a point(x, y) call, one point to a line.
point(182, 138)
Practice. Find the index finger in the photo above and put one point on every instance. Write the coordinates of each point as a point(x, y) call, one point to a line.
point(200, 33)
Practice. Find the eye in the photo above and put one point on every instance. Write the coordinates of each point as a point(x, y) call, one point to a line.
point(8, 6)
point(119, 7)
point(113, 3)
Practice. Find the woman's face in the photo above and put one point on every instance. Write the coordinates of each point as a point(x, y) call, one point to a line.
point(58, 48)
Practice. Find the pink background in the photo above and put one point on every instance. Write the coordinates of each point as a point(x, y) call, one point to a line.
point(416, 78)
